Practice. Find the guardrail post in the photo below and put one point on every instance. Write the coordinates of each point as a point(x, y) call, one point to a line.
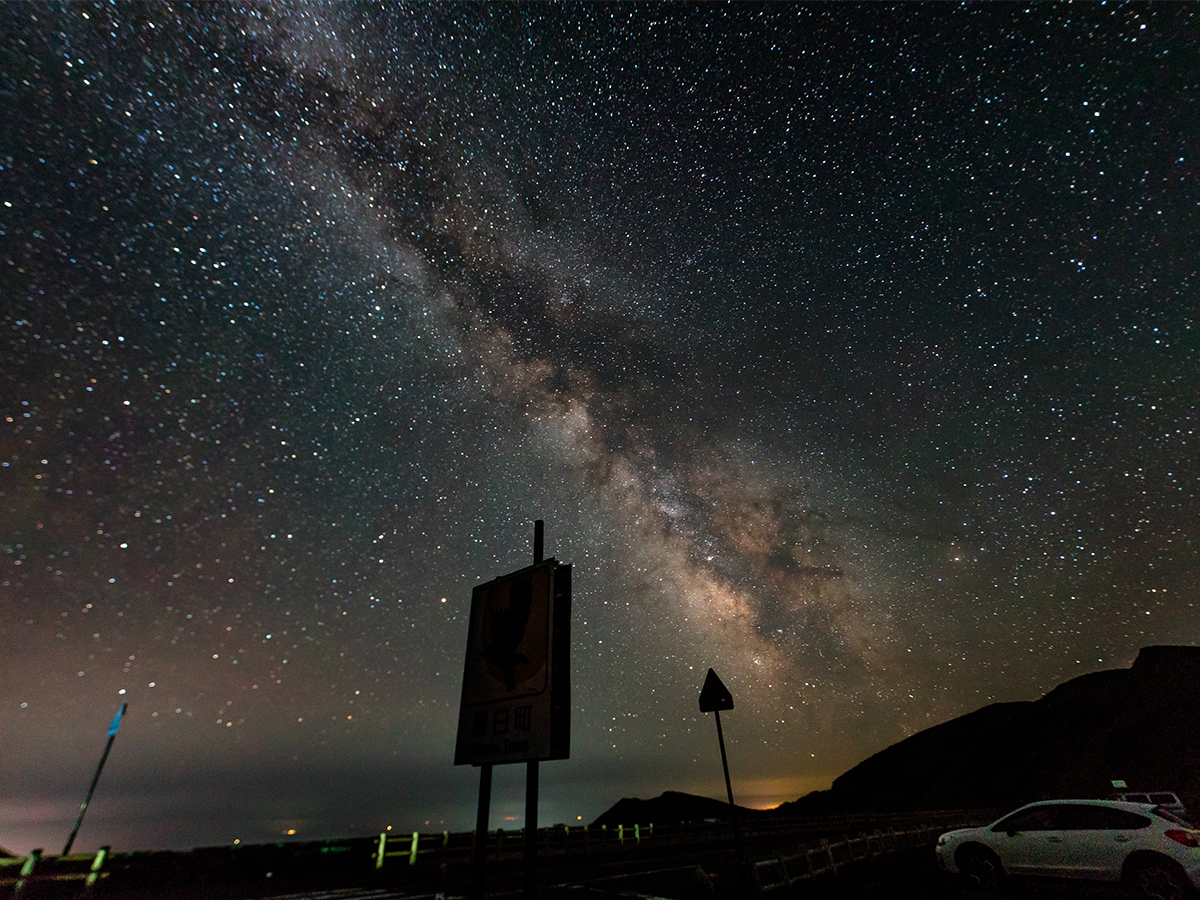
point(445, 839)
point(808, 867)
point(757, 868)
point(637, 833)
point(380, 849)
point(412, 853)
point(621, 834)
point(97, 865)
point(27, 869)
point(825, 846)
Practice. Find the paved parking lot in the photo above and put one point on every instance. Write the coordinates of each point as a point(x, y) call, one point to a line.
point(913, 875)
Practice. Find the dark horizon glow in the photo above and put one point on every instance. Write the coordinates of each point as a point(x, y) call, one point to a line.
point(850, 350)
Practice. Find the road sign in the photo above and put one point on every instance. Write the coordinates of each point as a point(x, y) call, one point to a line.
point(516, 690)
point(714, 695)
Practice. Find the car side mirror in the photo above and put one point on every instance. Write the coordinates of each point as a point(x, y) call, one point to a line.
point(1012, 832)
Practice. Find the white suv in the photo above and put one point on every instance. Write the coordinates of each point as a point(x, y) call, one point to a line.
point(1106, 840)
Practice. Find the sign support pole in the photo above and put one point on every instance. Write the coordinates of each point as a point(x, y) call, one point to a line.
point(479, 851)
point(737, 830)
point(112, 735)
point(531, 767)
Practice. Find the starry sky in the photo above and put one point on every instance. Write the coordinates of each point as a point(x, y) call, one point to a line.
point(851, 350)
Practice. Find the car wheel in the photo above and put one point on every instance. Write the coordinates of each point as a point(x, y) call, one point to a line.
point(980, 865)
point(1162, 880)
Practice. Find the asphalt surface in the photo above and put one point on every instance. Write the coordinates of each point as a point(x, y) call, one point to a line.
point(914, 875)
point(904, 875)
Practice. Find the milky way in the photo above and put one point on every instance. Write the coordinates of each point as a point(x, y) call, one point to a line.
point(849, 350)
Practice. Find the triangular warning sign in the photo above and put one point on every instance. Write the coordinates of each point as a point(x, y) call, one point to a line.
point(714, 695)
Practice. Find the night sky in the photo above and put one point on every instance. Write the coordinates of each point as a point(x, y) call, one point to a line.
point(851, 350)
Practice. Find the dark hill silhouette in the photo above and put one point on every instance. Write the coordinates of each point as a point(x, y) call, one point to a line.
point(1140, 724)
point(670, 808)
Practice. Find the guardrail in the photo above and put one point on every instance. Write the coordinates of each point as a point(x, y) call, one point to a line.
point(78, 872)
point(826, 841)
point(558, 839)
point(415, 847)
point(826, 858)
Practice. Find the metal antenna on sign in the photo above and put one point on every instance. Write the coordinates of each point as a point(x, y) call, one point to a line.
point(531, 767)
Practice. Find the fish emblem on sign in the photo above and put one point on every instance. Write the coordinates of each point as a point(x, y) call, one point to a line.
point(514, 643)
point(511, 628)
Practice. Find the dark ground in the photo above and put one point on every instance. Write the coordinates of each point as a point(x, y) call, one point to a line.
point(910, 874)
point(914, 875)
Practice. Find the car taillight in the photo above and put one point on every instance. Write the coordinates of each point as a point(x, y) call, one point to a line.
point(1179, 836)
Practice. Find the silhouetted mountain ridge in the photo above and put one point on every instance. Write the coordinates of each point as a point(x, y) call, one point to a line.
point(1140, 724)
point(670, 808)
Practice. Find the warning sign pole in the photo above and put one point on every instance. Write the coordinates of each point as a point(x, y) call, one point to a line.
point(737, 831)
point(714, 697)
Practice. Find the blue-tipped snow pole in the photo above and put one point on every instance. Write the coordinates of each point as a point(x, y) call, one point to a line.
point(112, 733)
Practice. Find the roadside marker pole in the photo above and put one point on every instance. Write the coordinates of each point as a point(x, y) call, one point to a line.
point(112, 734)
point(27, 868)
point(97, 865)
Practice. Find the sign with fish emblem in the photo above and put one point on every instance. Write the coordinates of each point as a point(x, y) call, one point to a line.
point(516, 681)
